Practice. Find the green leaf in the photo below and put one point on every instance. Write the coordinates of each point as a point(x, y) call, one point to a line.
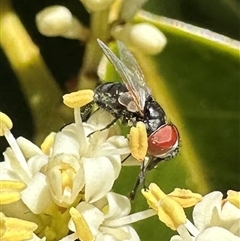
point(196, 80)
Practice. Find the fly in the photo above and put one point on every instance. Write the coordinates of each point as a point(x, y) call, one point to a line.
point(131, 101)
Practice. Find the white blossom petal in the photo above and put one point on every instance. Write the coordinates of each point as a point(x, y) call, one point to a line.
point(118, 205)
point(229, 218)
point(118, 233)
point(216, 233)
point(100, 119)
point(99, 177)
point(37, 195)
point(178, 238)
point(203, 211)
point(133, 233)
point(10, 158)
point(116, 163)
point(35, 163)
point(28, 148)
point(66, 142)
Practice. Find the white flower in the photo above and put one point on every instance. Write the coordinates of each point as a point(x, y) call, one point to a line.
point(107, 219)
point(76, 162)
point(214, 219)
point(70, 169)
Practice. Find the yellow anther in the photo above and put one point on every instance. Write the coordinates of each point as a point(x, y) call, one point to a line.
point(171, 213)
point(15, 185)
point(16, 229)
point(234, 198)
point(5, 123)
point(10, 191)
point(48, 143)
point(3, 227)
point(78, 99)
point(9, 197)
point(138, 141)
point(186, 198)
point(82, 229)
point(153, 195)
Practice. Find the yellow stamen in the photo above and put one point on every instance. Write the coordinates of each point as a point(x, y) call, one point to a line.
point(234, 198)
point(153, 195)
point(12, 185)
point(82, 229)
point(78, 99)
point(3, 227)
point(16, 229)
point(138, 141)
point(171, 213)
point(5, 123)
point(48, 143)
point(186, 198)
point(10, 191)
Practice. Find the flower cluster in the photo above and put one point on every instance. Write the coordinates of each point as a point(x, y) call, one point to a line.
point(62, 191)
point(214, 218)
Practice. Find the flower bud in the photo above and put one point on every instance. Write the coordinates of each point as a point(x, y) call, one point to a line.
point(54, 20)
point(143, 36)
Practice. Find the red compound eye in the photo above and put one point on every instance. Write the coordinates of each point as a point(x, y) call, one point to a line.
point(163, 140)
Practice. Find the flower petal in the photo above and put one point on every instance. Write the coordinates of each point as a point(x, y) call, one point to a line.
point(203, 211)
point(28, 148)
point(37, 195)
point(216, 233)
point(36, 163)
point(93, 216)
point(118, 206)
point(99, 177)
point(66, 142)
point(15, 165)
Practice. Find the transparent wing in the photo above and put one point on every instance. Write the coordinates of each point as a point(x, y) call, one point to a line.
point(130, 73)
point(128, 59)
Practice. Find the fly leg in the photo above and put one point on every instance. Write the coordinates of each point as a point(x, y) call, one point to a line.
point(126, 158)
point(86, 111)
point(140, 181)
point(106, 127)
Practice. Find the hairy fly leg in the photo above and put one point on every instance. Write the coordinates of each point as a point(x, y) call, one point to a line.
point(86, 111)
point(140, 181)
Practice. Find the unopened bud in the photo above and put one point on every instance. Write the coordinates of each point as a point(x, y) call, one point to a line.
point(54, 20)
point(143, 36)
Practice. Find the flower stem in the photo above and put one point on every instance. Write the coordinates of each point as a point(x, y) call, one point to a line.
point(99, 29)
point(38, 85)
